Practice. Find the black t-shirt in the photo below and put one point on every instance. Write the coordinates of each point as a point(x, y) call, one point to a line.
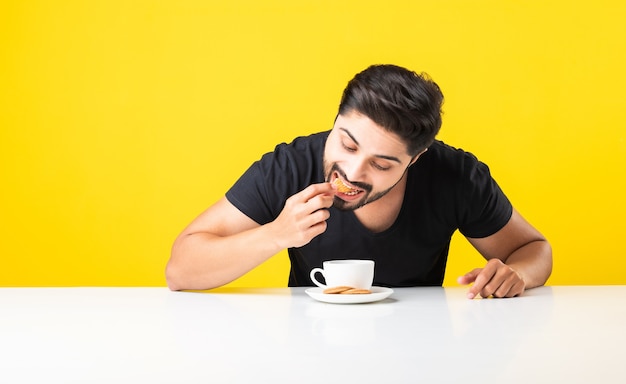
point(447, 189)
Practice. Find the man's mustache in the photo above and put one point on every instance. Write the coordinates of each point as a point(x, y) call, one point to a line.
point(364, 186)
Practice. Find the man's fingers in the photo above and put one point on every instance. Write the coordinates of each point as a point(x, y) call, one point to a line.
point(314, 190)
point(479, 285)
point(319, 201)
point(496, 279)
point(319, 216)
point(512, 286)
point(309, 200)
point(481, 280)
point(469, 277)
point(505, 288)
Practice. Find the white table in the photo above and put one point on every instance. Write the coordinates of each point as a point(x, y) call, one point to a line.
point(418, 335)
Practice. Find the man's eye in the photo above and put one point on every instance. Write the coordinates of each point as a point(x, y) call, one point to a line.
point(348, 148)
point(380, 167)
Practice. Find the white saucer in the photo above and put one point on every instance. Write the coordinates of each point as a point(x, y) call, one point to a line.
point(378, 293)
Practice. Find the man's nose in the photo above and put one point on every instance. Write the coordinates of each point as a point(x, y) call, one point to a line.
point(355, 171)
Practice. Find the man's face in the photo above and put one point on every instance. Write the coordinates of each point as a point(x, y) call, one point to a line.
point(367, 160)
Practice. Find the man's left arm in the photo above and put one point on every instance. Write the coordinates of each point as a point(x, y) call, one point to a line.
point(519, 258)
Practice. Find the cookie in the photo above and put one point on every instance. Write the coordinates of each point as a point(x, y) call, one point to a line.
point(341, 187)
point(333, 290)
point(355, 291)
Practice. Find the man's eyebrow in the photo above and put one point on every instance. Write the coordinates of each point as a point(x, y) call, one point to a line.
point(390, 158)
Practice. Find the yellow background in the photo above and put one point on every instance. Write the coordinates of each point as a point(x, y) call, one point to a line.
point(122, 120)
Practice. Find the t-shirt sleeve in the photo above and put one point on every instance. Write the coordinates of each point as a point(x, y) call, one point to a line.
point(485, 209)
point(250, 193)
point(261, 192)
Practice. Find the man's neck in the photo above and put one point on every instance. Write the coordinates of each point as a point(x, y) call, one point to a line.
point(380, 215)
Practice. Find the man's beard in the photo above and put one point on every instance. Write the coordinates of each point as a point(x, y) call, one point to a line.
point(343, 205)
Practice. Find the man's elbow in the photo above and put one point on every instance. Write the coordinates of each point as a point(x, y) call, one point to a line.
point(549, 261)
point(175, 275)
point(542, 270)
point(172, 277)
point(181, 275)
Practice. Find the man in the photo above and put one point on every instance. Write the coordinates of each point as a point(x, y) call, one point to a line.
point(377, 186)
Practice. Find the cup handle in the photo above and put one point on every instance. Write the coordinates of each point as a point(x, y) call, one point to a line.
point(313, 272)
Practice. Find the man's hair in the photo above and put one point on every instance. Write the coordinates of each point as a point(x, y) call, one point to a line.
point(399, 100)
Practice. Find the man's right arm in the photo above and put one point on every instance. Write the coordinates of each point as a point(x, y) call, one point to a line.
point(223, 244)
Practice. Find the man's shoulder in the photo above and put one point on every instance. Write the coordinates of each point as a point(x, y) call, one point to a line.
point(261, 191)
point(313, 141)
point(301, 150)
point(297, 163)
point(448, 151)
point(440, 154)
point(445, 166)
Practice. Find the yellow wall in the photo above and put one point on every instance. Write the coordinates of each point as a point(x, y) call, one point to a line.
point(122, 120)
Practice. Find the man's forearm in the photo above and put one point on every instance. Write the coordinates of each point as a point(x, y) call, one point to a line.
point(533, 262)
point(203, 261)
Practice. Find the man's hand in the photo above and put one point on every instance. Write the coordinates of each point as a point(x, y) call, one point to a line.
point(495, 279)
point(304, 216)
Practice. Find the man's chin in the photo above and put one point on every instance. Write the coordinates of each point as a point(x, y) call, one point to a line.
point(343, 205)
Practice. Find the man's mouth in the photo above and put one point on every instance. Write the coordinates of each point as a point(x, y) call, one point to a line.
point(344, 188)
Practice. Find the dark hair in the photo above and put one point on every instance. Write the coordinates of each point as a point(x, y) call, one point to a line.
point(401, 101)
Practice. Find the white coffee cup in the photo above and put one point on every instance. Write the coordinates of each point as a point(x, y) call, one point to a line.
point(349, 273)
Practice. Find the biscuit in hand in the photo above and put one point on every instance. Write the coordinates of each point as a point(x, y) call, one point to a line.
point(341, 187)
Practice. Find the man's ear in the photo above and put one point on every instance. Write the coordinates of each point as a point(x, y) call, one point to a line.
point(414, 159)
